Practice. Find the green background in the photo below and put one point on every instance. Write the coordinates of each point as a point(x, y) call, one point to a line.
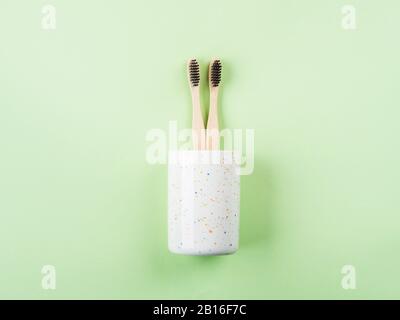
point(76, 104)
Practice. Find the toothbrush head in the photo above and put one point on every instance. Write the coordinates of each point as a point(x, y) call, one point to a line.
point(193, 73)
point(214, 73)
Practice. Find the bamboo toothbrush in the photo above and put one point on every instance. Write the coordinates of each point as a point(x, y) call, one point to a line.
point(198, 130)
point(214, 79)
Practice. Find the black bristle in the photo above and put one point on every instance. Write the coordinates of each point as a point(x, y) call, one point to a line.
point(215, 73)
point(194, 73)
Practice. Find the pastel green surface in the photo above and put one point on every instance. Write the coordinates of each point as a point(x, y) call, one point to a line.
point(76, 103)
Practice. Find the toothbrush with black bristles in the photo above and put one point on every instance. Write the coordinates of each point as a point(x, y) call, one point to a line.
point(214, 78)
point(198, 130)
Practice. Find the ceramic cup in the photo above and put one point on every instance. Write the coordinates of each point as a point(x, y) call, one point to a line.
point(203, 202)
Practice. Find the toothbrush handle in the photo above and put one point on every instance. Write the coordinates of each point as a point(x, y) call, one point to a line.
point(212, 124)
point(198, 135)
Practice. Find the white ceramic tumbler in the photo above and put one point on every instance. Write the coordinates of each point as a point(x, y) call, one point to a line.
point(203, 202)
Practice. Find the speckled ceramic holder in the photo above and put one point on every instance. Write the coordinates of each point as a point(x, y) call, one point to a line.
point(203, 202)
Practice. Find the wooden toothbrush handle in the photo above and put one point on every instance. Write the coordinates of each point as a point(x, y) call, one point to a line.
point(198, 130)
point(212, 124)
